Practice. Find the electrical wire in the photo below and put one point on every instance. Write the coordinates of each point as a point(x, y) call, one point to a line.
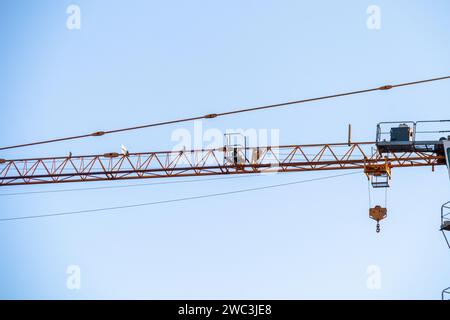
point(67, 213)
point(215, 115)
point(127, 185)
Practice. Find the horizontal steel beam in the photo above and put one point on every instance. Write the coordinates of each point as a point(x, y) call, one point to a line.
point(221, 161)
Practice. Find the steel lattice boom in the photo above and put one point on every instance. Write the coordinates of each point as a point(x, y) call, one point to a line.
point(164, 164)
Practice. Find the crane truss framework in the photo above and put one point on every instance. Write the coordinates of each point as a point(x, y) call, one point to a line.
point(445, 221)
point(446, 294)
point(292, 158)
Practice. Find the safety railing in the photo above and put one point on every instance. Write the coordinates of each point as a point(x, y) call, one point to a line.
point(420, 130)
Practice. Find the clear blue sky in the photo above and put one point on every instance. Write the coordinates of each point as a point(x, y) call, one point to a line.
point(134, 62)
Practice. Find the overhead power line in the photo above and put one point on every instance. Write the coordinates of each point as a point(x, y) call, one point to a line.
point(215, 115)
point(127, 185)
point(67, 213)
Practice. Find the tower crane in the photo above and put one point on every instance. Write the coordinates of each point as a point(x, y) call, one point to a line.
point(401, 148)
point(397, 146)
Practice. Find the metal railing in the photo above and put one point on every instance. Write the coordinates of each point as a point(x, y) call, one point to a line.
point(414, 125)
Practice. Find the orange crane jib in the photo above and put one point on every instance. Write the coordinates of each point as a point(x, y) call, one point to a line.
point(183, 163)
